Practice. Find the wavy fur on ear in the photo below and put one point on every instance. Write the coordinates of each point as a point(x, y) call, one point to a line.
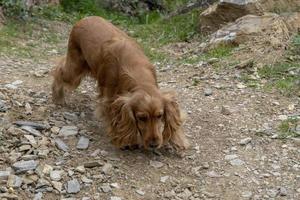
point(173, 121)
point(121, 123)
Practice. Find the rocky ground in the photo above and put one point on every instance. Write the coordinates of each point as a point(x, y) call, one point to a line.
point(51, 152)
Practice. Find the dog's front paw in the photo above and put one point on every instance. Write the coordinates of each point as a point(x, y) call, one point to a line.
point(60, 101)
point(58, 94)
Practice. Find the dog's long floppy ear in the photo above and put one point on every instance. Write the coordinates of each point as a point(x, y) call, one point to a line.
point(123, 126)
point(173, 121)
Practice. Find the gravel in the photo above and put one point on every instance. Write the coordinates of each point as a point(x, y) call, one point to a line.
point(236, 150)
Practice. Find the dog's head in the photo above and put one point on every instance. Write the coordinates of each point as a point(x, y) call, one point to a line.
point(148, 120)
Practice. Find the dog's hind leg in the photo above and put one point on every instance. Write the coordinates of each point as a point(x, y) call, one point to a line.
point(68, 74)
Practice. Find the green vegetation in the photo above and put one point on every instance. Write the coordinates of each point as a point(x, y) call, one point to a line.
point(15, 9)
point(150, 29)
point(250, 81)
point(218, 53)
point(285, 75)
point(30, 39)
point(287, 128)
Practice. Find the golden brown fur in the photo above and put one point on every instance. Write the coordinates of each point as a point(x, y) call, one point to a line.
point(135, 110)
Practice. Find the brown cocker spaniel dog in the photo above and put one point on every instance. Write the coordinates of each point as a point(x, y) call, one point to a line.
point(136, 112)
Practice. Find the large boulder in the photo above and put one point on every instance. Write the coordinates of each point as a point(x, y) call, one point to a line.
point(262, 39)
point(226, 11)
point(251, 28)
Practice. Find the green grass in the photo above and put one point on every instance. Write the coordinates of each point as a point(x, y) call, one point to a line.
point(279, 76)
point(10, 43)
point(151, 30)
point(285, 75)
point(287, 128)
point(249, 81)
point(30, 39)
point(174, 4)
point(219, 53)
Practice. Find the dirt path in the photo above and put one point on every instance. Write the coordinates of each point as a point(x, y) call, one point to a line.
point(233, 154)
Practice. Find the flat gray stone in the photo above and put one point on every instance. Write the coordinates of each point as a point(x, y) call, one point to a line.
point(213, 174)
point(67, 131)
point(208, 92)
point(236, 162)
point(14, 181)
point(31, 140)
point(86, 180)
point(61, 145)
point(70, 116)
point(156, 164)
point(57, 185)
point(24, 166)
point(163, 179)
point(115, 185)
point(55, 175)
point(34, 125)
point(140, 192)
point(230, 157)
point(73, 186)
point(4, 175)
point(106, 169)
point(38, 196)
point(283, 191)
point(31, 130)
point(247, 194)
point(93, 164)
point(14, 85)
point(245, 141)
point(105, 188)
point(115, 198)
point(297, 129)
point(225, 110)
point(83, 143)
point(3, 107)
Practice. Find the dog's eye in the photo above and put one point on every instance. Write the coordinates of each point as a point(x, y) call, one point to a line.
point(159, 116)
point(142, 118)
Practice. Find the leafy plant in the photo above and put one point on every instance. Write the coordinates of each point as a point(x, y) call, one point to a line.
point(87, 6)
point(288, 127)
point(15, 9)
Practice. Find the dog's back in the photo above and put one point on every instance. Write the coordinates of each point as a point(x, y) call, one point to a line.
point(91, 34)
point(116, 61)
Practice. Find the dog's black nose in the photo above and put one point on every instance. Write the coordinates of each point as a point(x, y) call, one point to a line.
point(153, 145)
